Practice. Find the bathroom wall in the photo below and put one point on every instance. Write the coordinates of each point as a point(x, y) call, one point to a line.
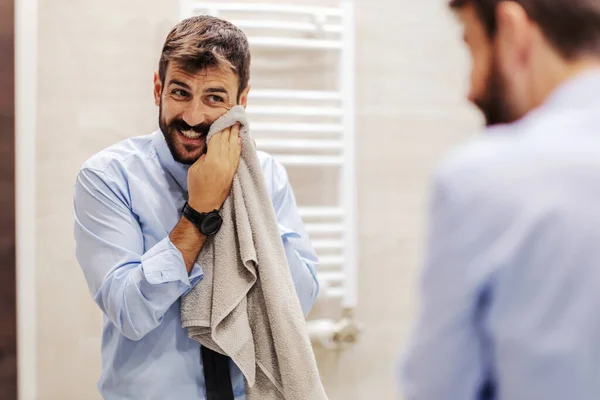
point(96, 61)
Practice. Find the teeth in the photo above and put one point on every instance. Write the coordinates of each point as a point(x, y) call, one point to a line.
point(190, 134)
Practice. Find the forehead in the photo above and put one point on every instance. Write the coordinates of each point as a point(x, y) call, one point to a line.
point(207, 76)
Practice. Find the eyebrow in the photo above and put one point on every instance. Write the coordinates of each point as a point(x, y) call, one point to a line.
point(218, 89)
point(179, 83)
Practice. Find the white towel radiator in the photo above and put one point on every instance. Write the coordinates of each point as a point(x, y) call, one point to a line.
point(323, 139)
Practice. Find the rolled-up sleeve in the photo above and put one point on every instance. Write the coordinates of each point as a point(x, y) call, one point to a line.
point(132, 288)
point(301, 256)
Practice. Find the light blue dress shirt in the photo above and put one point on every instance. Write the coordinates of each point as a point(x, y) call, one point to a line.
point(127, 200)
point(510, 293)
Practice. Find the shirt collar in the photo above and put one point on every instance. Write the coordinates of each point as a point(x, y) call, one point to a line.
point(177, 170)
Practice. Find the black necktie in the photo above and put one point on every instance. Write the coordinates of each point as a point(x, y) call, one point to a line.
point(488, 391)
point(216, 375)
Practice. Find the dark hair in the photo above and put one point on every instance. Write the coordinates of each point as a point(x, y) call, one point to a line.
point(203, 41)
point(571, 26)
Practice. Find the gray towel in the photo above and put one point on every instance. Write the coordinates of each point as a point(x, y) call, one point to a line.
point(246, 305)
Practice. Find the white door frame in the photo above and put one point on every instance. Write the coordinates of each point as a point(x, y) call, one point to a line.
point(26, 39)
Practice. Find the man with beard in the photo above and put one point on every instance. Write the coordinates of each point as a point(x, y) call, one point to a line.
point(144, 208)
point(510, 293)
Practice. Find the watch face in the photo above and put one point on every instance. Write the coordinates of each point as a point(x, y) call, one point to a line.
point(211, 224)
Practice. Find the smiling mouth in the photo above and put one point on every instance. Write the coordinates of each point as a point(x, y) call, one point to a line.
point(191, 137)
point(190, 134)
point(193, 140)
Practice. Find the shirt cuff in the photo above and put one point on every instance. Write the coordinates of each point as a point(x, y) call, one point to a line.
point(195, 276)
point(164, 263)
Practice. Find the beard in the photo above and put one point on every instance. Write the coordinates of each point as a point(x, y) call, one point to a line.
point(182, 152)
point(495, 104)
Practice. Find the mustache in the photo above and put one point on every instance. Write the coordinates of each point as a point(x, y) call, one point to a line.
point(180, 124)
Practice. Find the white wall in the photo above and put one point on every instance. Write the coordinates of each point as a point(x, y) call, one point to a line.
point(96, 61)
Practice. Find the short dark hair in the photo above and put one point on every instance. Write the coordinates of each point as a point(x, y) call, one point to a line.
point(204, 41)
point(571, 26)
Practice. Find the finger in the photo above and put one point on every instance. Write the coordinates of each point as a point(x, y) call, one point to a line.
point(235, 158)
point(234, 140)
point(214, 146)
point(225, 142)
point(237, 154)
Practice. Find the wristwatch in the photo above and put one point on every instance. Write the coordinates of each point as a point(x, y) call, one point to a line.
point(207, 223)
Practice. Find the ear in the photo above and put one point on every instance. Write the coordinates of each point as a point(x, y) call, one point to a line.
point(157, 89)
point(244, 96)
point(514, 35)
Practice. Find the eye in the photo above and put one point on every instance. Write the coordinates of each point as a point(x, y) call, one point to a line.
point(214, 99)
point(179, 93)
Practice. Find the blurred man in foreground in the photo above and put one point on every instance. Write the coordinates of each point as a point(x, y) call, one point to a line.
point(511, 287)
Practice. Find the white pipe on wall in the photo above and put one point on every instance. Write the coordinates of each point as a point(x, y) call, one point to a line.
point(286, 26)
point(331, 261)
point(304, 111)
point(327, 244)
point(316, 228)
point(273, 94)
point(268, 8)
point(294, 43)
point(298, 144)
point(292, 160)
point(26, 17)
point(322, 331)
point(296, 127)
point(348, 198)
point(321, 212)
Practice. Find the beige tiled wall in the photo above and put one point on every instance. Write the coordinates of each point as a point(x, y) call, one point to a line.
point(96, 61)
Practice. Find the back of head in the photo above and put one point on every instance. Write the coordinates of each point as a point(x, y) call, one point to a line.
point(522, 50)
point(572, 27)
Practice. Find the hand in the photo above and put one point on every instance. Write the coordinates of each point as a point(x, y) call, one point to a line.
point(210, 178)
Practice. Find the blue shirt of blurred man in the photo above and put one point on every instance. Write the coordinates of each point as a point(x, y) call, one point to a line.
point(510, 292)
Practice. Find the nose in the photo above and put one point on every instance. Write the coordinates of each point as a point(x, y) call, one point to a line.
point(471, 93)
point(471, 97)
point(194, 114)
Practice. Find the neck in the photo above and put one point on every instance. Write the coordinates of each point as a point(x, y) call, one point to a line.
point(558, 73)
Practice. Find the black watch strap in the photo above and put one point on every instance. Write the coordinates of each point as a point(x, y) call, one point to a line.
point(194, 216)
point(200, 219)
